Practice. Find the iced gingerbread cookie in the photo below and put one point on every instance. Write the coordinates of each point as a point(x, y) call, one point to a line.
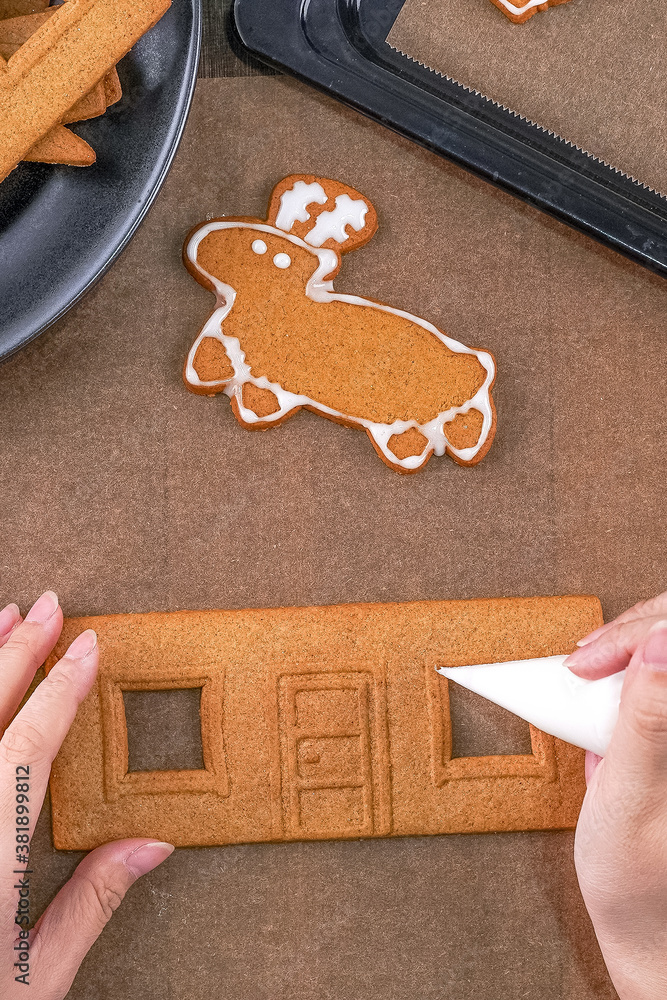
point(522, 11)
point(282, 338)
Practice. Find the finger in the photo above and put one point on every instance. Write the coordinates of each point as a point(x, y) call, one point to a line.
point(611, 652)
point(590, 765)
point(596, 633)
point(637, 752)
point(36, 733)
point(33, 739)
point(25, 650)
point(85, 904)
point(643, 609)
point(9, 619)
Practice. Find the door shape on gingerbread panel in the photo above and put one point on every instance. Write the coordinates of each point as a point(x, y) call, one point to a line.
point(333, 755)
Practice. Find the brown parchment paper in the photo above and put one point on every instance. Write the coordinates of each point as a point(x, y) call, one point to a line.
point(125, 492)
point(595, 73)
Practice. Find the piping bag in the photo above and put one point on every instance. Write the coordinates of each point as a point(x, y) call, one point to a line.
point(549, 696)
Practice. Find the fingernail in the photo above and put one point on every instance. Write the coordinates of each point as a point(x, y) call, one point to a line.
point(147, 857)
point(43, 608)
point(584, 658)
point(655, 648)
point(82, 645)
point(8, 618)
point(574, 657)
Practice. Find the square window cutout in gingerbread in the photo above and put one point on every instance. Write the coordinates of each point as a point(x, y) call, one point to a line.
point(482, 729)
point(151, 714)
point(122, 777)
point(317, 723)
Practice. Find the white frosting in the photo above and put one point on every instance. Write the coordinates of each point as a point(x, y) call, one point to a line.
point(320, 290)
point(294, 203)
point(331, 225)
point(520, 10)
point(259, 246)
point(549, 696)
point(282, 260)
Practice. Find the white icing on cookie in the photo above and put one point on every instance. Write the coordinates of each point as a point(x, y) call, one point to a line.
point(294, 203)
point(517, 11)
point(259, 246)
point(331, 225)
point(282, 260)
point(321, 290)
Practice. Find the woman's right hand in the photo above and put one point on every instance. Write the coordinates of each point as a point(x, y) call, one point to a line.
point(621, 838)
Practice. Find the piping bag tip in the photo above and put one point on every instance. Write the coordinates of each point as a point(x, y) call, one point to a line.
point(548, 696)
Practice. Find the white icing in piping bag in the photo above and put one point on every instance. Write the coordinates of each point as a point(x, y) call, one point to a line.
point(549, 696)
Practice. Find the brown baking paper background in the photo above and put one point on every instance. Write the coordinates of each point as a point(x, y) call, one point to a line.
point(125, 492)
point(593, 72)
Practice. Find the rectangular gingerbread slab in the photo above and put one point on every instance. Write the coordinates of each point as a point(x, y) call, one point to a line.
point(61, 62)
point(316, 723)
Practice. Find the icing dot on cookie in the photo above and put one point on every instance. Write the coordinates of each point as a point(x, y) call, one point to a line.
point(259, 246)
point(282, 260)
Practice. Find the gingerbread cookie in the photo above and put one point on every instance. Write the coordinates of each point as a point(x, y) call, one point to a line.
point(281, 338)
point(56, 66)
point(518, 13)
point(315, 723)
point(60, 145)
point(16, 8)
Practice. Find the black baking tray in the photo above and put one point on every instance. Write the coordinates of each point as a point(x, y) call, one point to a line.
point(340, 46)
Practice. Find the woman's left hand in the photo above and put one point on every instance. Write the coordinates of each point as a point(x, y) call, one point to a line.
point(47, 956)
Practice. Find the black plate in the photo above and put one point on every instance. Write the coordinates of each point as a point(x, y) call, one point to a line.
point(61, 227)
point(340, 46)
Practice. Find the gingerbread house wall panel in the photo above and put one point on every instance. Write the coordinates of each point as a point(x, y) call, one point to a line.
point(316, 723)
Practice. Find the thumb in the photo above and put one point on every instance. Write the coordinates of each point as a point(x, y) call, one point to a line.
point(638, 747)
point(84, 905)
